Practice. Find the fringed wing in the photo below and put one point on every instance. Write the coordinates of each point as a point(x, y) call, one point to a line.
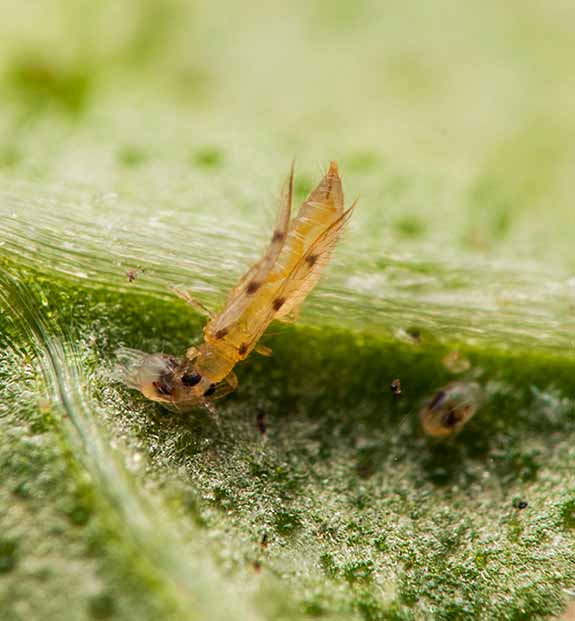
point(242, 295)
point(302, 277)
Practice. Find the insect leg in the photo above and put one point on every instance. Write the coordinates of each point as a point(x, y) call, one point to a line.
point(196, 304)
point(263, 350)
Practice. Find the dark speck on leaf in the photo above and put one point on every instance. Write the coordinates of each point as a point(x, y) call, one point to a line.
point(133, 273)
point(261, 422)
point(415, 334)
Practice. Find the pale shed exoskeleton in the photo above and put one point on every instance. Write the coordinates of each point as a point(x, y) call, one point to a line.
point(451, 408)
point(273, 288)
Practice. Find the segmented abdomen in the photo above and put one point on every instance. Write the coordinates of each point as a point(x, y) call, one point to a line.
point(319, 211)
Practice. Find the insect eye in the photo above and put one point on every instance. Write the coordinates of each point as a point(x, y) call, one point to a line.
point(191, 379)
point(210, 391)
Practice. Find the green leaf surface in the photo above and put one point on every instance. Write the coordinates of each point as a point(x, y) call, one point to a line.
point(142, 146)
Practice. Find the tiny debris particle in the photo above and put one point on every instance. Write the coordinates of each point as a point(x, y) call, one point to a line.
point(520, 504)
point(396, 387)
point(132, 274)
point(221, 333)
point(412, 336)
point(311, 260)
point(261, 422)
point(278, 236)
point(415, 334)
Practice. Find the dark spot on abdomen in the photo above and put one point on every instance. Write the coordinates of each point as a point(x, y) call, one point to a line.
point(277, 237)
point(252, 287)
point(311, 260)
point(278, 303)
point(210, 391)
point(242, 349)
point(221, 333)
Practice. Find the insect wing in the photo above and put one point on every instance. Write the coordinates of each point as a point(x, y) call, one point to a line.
point(307, 272)
point(298, 278)
point(240, 297)
point(328, 195)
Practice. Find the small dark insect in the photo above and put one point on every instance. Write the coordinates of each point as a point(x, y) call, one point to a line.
point(261, 422)
point(520, 504)
point(415, 334)
point(396, 387)
point(264, 541)
point(257, 567)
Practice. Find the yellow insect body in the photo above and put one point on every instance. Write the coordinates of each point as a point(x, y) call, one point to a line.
point(274, 288)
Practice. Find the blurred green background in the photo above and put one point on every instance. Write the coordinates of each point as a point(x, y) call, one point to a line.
point(154, 135)
point(459, 116)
